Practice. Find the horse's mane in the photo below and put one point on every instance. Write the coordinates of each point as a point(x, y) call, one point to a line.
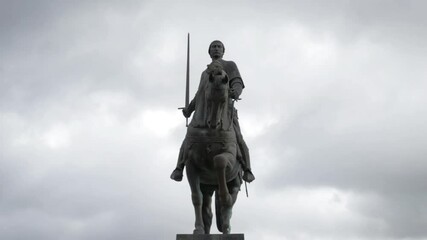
point(215, 68)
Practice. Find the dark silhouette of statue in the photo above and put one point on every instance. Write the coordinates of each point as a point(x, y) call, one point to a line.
point(216, 51)
point(214, 152)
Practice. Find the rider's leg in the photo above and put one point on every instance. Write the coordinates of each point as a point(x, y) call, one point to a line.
point(248, 176)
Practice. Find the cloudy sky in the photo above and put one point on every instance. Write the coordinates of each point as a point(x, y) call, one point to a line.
point(334, 113)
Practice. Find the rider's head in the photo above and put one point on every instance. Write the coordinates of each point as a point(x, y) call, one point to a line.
point(216, 50)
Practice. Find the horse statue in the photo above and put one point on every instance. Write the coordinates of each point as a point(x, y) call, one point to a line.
point(211, 153)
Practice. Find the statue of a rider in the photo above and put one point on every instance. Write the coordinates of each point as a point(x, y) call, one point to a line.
point(216, 52)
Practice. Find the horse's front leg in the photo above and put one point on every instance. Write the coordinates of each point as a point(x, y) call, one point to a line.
point(197, 198)
point(207, 210)
point(221, 162)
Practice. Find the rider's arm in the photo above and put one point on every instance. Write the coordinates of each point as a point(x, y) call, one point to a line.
point(188, 110)
point(236, 88)
point(236, 82)
point(192, 105)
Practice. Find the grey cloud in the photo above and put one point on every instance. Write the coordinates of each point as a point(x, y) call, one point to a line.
point(352, 120)
point(76, 48)
point(384, 156)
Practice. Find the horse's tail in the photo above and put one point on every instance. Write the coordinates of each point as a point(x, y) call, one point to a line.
point(218, 214)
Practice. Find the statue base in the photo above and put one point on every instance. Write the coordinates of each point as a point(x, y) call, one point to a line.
point(238, 236)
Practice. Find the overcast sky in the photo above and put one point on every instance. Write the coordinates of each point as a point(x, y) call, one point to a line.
point(334, 113)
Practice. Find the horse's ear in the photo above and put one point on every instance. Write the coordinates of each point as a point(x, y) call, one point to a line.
point(225, 79)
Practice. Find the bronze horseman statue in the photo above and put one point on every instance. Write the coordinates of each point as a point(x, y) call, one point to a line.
point(214, 152)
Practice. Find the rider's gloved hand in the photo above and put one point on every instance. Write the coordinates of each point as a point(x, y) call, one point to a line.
point(233, 94)
point(235, 90)
point(186, 112)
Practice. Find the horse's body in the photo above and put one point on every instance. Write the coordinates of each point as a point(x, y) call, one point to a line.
point(211, 157)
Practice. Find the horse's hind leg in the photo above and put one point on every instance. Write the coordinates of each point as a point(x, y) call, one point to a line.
point(197, 198)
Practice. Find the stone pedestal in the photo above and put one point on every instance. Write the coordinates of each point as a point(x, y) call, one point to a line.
point(238, 236)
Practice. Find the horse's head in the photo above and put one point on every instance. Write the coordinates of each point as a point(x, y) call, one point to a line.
point(217, 98)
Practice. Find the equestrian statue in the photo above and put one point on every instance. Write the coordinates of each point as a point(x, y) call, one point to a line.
point(214, 153)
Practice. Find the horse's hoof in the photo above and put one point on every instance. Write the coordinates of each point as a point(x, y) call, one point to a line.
point(226, 229)
point(198, 231)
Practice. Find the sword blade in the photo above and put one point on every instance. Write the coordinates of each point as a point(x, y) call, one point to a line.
point(187, 80)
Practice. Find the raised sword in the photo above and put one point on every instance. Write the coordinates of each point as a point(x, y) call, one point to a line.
point(187, 80)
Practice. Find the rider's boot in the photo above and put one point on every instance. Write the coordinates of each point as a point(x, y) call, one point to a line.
point(248, 176)
point(177, 174)
point(245, 160)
